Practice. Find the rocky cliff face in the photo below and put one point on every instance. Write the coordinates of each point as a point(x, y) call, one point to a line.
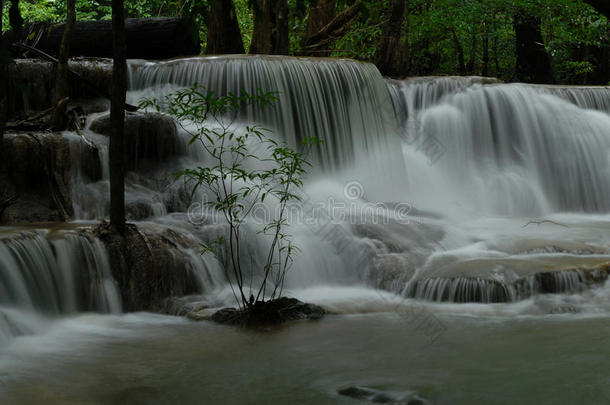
point(150, 138)
point(38, 169)
point(31, 83)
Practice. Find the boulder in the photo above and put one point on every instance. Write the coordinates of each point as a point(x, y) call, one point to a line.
point(31, 83)
point(150, 138)
point(38, 169)
point(150, 265)
point(276, 311)
point(382, 397)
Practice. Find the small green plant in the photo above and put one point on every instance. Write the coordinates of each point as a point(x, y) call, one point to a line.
point(239, 180)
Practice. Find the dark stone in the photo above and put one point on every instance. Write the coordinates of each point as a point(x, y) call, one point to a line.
point(38, 170)
point(150, 138)
point(276, 311)
point(138, 210)
point(149, 265)
point(381, 397)
point(91, 106)
point(31, 83)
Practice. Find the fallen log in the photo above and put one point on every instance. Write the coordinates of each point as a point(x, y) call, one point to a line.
point(146, 38)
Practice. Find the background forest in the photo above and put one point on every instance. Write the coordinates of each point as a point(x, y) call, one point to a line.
point(545, 41)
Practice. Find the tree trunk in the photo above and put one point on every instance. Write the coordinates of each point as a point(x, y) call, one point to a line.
point(117, 118)
point(61, 77)
point(3, 86)
point(224, 36)
point(388, 56)
point(334, 29)
point(270, 34)
point(473, 52)
point(300, 9)
point(15, 19)
point(485, 67)
point(146, 38)
point(460, 52)
point(405, 55)
point(496, 57)
point(321, 12)
point(533, 62)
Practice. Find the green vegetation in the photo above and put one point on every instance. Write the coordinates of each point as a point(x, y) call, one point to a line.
point(246, 168)
point(429, 37)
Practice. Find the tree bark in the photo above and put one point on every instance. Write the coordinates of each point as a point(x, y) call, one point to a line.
point(224, 36)
point(333, 29)
point(496, 57)
point(270, 34)
point(485, 67)
point(61, 77)
point(460, 52)
point(3, 86)
point(473, 52)
point(149, 38)
point(15, 19)
point(533, 62)
point(117, 118)
point(321, 12)
point(388, 56)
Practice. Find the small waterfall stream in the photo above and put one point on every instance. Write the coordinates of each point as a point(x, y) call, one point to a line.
point(56, 274)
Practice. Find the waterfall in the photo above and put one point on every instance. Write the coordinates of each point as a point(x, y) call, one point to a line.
point(515, 150)
point(593, 98)
point(56, 274)
point(343, 102)
point(415, 94)
point(474, 161)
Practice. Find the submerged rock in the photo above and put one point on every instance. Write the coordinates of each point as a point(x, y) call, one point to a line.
point(276, 311)
point(149, 137)
point(382, 397)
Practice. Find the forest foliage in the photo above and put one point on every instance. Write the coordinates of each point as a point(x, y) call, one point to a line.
point(432, 37)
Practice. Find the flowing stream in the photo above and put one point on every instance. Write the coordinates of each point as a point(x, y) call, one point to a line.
point(460, 241)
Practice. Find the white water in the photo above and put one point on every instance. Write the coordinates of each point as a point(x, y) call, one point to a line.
point(472, 163)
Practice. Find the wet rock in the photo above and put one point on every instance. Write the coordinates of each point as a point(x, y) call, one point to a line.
point(138, 210)
point(269, 312)
point(31, 82)
point(149, 265)
point(381, 397)
point(89, 162)
point(91, 106)
point(37, 170)
point(149, 138)
point(482, 290)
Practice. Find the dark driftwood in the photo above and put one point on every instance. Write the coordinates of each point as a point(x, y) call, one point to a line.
point(146, 38)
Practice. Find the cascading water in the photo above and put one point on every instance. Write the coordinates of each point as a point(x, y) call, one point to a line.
point(517, 187)
point(52, 273)
point(56, 274)
point(514, 151)
point(345, 103)
point(506, 151)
